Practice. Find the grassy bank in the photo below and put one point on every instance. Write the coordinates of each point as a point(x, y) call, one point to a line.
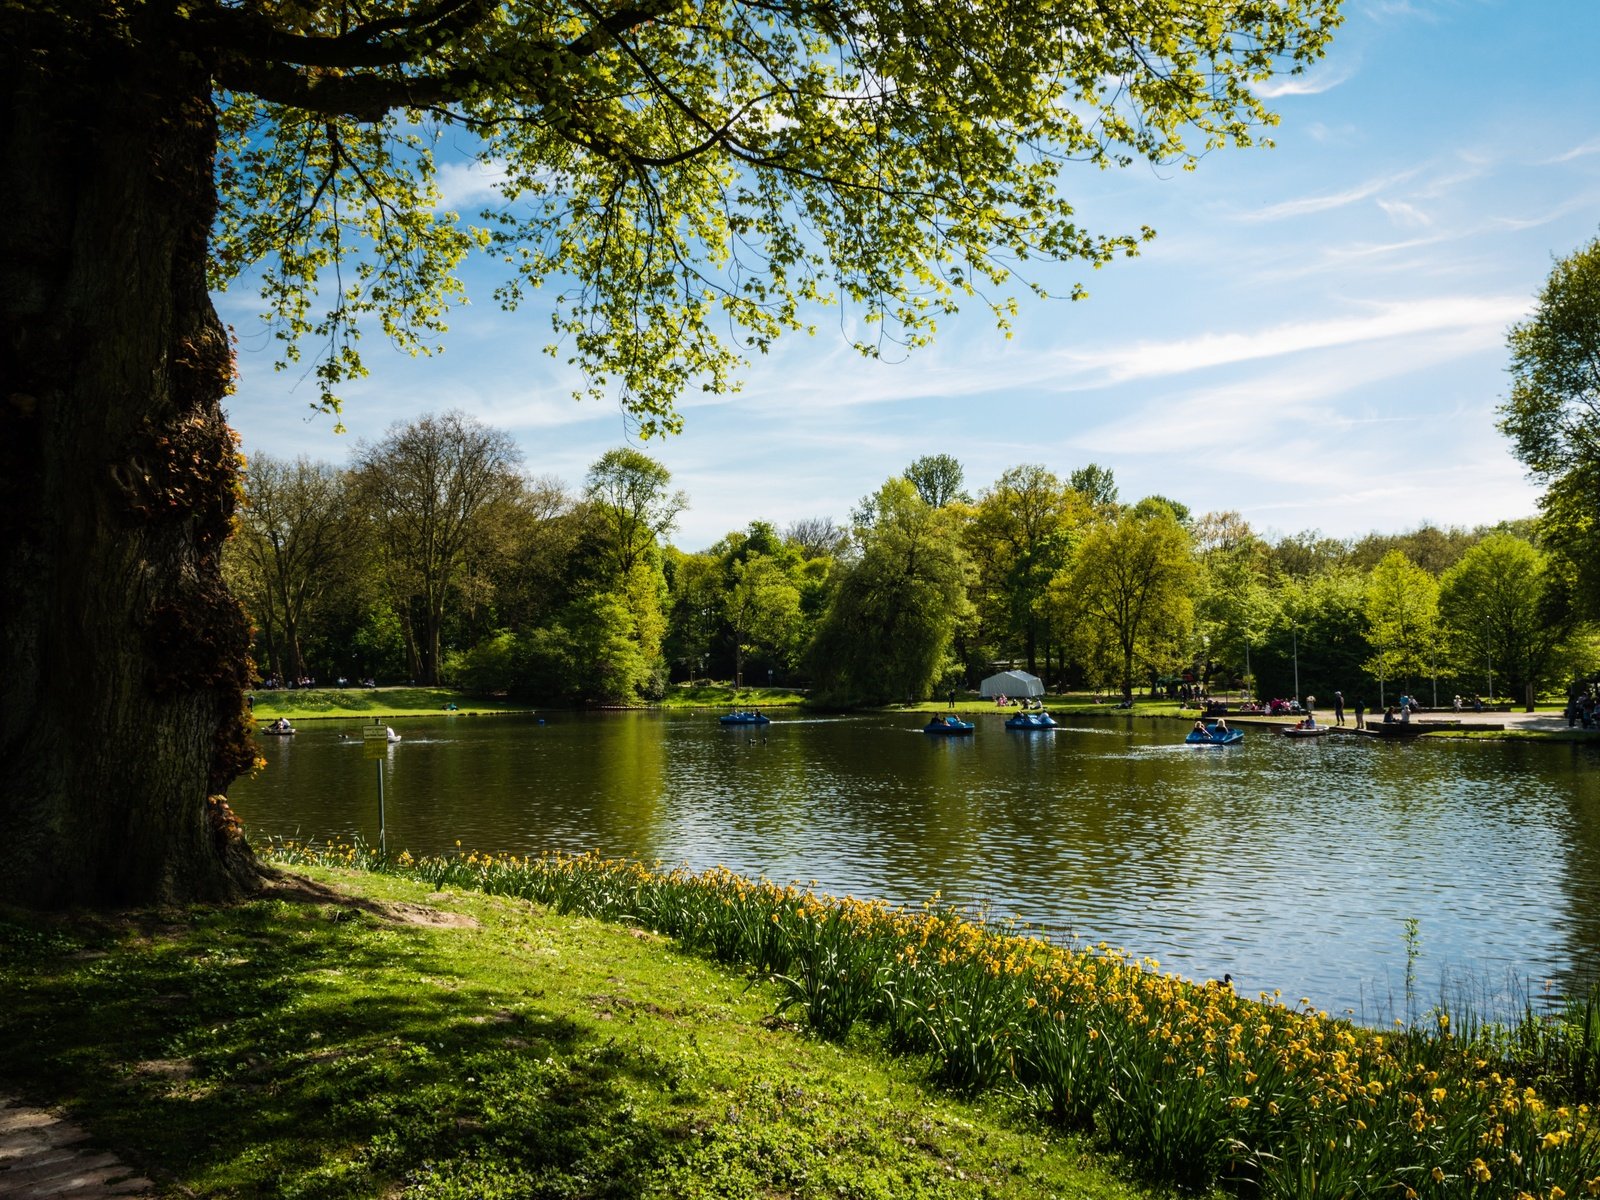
point(1197, 1085)
point(365, 1035)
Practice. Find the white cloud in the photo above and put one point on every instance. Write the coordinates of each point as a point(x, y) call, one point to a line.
point(468, 185)
point(1312, 83)
point(1144, 360)
point(1592, 146)
point(1402, 213)
point(1306, 205)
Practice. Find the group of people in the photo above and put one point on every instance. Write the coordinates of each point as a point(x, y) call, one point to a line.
point(1004, 701)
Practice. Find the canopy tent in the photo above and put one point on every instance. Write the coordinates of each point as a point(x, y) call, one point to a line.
point(1011, 683)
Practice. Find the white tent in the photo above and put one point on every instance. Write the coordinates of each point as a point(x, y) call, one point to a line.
point(1011, 683)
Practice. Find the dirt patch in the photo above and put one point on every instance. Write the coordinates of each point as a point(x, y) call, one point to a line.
point(297, 889)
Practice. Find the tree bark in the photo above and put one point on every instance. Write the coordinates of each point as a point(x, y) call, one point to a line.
point(123, 658)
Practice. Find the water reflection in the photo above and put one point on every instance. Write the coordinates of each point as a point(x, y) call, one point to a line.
point(1292, 865)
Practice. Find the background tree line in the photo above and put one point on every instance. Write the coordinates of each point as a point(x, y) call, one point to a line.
point(435, 557)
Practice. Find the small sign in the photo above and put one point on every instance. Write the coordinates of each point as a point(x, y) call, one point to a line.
point(375, 741)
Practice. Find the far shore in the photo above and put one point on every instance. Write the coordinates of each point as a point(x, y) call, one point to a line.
point(1546, 723)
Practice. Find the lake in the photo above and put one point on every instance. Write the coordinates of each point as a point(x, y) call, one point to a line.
point(1292, 865)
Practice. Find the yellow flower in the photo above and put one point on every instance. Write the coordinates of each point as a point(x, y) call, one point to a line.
point(1480, 1170)
point(1438, 1174)
point(1555, 1139)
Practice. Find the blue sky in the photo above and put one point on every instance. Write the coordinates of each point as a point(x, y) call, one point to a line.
point(1316, 338)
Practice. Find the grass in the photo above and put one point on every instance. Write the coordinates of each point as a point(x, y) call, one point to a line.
point(1198, 1086)
point(718, 695)
point(336, 1040)
point(312, 703)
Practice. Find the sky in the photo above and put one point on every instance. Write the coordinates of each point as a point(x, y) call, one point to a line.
point(1315, 339)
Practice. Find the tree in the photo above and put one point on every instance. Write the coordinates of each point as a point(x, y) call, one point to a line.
point(294, 544)
point(1402, 620)
point(1508, 613)
point(902, 157)
point(629, 492)
point(1553, 413)
point(817, 537)
point(1020, 535)
point(938, 479)
point(888, 629)
point(1097, 484)
point(1131, 578)
point(425, 489)
point(762, 609)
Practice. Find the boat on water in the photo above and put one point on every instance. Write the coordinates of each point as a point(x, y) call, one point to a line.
point(279, 728)
point(1031, 720)
point(741, 717)
point(948, 726)
point(1305, 731)
point(1214, 737)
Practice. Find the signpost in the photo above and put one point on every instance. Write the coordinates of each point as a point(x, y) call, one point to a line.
point(375, 745)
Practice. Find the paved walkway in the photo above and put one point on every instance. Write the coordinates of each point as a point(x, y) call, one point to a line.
point(44, 1155)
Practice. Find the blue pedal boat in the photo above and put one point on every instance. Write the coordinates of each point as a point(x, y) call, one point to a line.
point(1031, 720)
point(948, 726)
point(744, 718)
point(1227, 737)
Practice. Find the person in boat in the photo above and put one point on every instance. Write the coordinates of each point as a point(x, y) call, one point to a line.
point(1220, 729)
point(1388, 715)
point(1201, 729)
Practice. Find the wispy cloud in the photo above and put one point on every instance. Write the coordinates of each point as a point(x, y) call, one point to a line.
point(1405, 214)
point(1145, 360)
point(1306, 205)
point(1312, 83)
point(1592, 146)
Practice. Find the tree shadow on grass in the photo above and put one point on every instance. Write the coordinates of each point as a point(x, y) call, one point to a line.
point(308, 1046)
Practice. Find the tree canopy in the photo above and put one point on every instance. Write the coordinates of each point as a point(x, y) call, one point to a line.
point(666, 170)
point(679, 184)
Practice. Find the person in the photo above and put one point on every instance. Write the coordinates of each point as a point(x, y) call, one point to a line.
point(1361, 713)
point(1200, 727)
point(1457, 702)
point(952, 698)
point(1338, 708)
point(1220, 727)
point(1405, 713)
point(1388, 715)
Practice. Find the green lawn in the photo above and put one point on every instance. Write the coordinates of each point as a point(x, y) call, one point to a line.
point(382, 1040)
point(311, 703)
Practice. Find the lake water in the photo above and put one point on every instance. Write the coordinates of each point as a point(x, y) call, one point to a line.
point(1293, 865)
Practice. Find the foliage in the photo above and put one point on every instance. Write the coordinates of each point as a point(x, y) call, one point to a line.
point(628, 490)
point(425, 491)
point(294, 546)
point(938, 479)
point(1097, 484)
point(1196, 1084)
point(1021, 534)
point(680, 168)
point(890, 623)
point(1553, 413)
point(1129, 585)
point(1402, 620)
point(1508, 612)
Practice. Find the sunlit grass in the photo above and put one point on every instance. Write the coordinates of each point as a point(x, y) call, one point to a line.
point(1195, 1082)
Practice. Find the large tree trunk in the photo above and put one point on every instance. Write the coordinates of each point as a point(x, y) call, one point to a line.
point(123, 658)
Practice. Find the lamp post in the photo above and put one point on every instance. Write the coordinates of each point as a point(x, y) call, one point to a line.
point(1294, 636)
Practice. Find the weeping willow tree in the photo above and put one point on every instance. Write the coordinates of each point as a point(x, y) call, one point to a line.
point(680, 184)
